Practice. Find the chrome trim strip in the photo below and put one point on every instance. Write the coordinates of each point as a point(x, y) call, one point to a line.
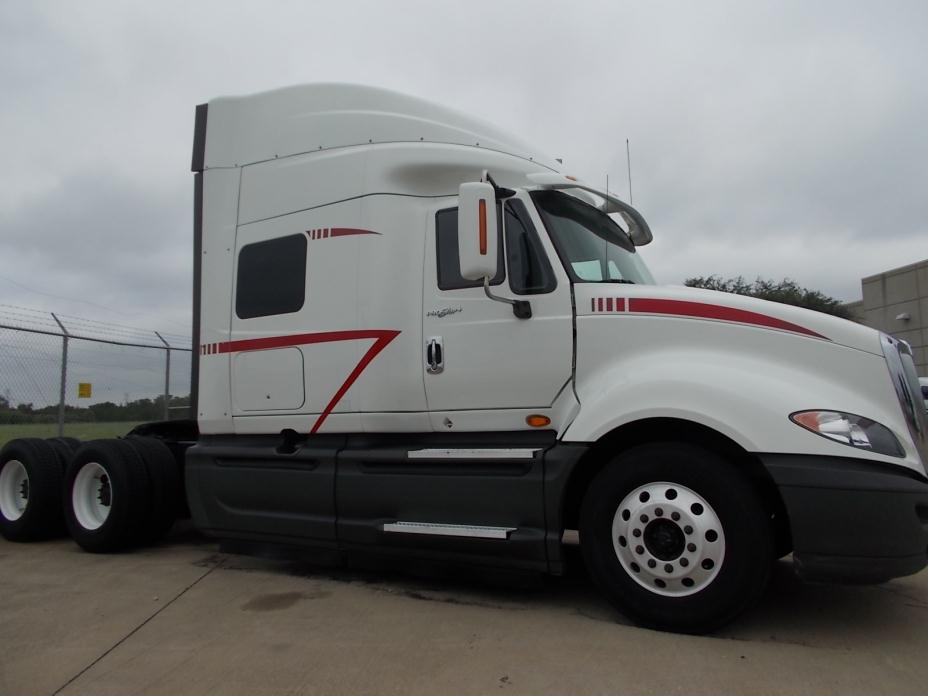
point(482, 453)
point(456, 530)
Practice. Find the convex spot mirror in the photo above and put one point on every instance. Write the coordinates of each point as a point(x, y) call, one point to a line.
point(477, 231)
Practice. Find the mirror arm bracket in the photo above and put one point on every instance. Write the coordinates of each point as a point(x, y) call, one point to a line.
point(522, 309)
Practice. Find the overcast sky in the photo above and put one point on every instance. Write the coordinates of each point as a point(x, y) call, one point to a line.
point(767, 139)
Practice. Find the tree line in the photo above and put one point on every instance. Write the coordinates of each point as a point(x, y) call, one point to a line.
point(106, 411)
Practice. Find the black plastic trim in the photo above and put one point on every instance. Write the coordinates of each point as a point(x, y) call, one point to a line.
point(852, 520)
point(337, 491)
point(198, 160)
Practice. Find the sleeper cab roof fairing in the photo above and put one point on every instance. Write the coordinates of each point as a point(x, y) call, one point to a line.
point(305, 118)
point(638, 230)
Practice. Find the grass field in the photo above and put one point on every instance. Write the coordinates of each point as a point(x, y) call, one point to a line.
point(82, 431)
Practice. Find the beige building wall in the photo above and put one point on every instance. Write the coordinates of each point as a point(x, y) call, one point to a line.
point(897, 302)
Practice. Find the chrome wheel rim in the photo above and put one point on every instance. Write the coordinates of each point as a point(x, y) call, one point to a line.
point(91, 496)
point(14, 490)
point(668, 539)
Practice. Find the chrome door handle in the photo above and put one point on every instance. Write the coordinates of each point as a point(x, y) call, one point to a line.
point(434, 355)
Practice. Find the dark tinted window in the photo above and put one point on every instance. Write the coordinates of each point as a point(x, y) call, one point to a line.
point(449, 263)
point(271, 277)
point(592, 246)
point(529, 270)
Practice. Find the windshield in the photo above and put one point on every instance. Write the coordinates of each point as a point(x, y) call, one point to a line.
point(593, 247)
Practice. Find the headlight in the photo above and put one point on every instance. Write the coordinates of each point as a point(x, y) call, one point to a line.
point(851, 430)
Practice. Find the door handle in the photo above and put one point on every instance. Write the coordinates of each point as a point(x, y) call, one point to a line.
point(434, 356)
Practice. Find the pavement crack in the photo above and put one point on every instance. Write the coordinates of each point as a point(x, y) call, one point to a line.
point(137, 628)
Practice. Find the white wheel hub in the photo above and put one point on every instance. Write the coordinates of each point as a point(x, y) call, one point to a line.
point(668, 538)
point(14, 490)
point(91, 496)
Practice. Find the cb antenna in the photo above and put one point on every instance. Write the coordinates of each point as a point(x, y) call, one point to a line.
point(628, 159)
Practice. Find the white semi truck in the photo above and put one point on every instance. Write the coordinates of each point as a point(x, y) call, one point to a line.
point(418, 338)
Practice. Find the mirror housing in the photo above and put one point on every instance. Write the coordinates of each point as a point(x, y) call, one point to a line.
point(478, 235)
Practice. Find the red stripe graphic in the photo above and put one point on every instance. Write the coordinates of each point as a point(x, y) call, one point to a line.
point(382, 338)
point(326, 232)
point(607, 304)
point(701, 310)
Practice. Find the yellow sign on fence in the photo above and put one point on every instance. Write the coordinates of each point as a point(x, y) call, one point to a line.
point(84, 390)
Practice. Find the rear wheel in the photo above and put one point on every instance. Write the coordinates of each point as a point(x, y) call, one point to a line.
point(676, 538)
point(166, 488)
point(30, 490)
point(106, 496)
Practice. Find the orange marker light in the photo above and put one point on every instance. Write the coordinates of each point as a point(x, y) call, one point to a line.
point(483, 227)
point(570, 178)
point(808, 420)
point(537, 421)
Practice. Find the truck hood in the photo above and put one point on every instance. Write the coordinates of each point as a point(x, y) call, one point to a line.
point(711, 305)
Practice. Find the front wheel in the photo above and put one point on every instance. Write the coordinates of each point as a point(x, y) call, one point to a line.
point(676, 537)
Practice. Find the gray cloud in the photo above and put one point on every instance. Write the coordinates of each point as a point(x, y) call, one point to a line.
point(767, 139)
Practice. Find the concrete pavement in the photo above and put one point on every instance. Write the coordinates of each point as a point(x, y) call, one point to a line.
point(185, 618)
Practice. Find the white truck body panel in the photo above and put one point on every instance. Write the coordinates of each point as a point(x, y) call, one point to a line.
point(377, 167)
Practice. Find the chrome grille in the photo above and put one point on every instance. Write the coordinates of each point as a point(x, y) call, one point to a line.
point(905, 380)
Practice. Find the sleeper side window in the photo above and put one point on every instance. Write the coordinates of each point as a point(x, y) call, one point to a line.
point(446, 252)
point(529, 270)
point(271, 277)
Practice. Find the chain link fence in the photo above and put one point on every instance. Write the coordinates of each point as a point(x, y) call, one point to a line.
point(66, 375)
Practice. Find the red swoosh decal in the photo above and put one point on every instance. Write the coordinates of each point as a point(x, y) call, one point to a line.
point(382, 338)
point(699, 310)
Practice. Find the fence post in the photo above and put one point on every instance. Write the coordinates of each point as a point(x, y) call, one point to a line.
point(167, 375)
point(64, 374)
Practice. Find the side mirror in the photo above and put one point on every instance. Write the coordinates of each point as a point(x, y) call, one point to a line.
point(478, 236)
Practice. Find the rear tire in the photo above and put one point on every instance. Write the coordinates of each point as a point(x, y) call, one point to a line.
point(166, 489)
point(64, 447)
point(30, 491)
point(106, 496)
point(676, 538)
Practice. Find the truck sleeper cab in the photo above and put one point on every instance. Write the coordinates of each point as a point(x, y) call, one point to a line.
point(420, 339)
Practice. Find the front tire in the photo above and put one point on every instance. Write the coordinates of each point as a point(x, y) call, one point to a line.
point(676, 537)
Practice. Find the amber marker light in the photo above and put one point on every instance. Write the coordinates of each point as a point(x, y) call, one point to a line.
point(483, 227)
point(537, 421)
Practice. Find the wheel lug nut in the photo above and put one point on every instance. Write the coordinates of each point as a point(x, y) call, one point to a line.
point(684, 562)
point(668, 568)
point(691, 547)
point(636, 532)
point(651, 563)
point(659, 512)
point(687, 530)
point(639, 550)
point(644, 519)
point(675, 516)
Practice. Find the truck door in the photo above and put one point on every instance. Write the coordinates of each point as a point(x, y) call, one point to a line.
point(485, 368)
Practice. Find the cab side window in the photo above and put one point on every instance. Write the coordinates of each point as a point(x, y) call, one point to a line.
point(271, 277)
point(529, 270)
point(449, 261)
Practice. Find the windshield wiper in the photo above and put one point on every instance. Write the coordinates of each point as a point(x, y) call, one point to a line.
point(619, 280)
